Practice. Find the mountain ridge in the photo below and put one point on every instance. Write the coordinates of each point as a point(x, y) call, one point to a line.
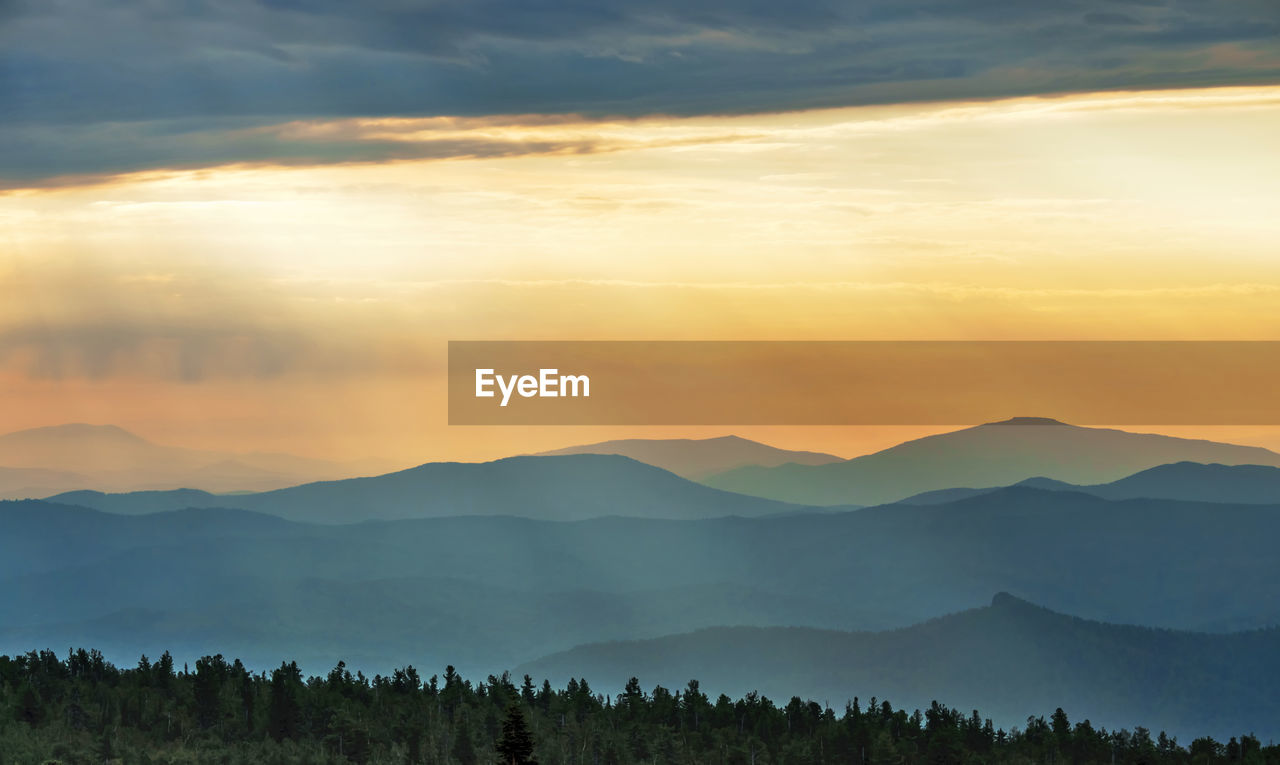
point(993, 454)
point(1186, 481)
point(1003, 658)
point(696, 458)
point(569, 487)
point(78, 456)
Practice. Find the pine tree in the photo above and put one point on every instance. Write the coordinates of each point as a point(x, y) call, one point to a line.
point(284, 712)
point(516, 746)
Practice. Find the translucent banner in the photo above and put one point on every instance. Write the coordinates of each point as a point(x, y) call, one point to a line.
point(862, 382)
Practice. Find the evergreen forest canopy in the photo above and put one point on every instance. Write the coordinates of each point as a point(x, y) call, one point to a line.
point(83, 710)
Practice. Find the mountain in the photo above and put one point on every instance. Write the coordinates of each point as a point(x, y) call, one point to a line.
point(466, 591)
point(143, 502)
point(550, 488)
point(427, 621)
point(38, 537)
point(85, 448)
point(48, 460)
point(80, 575)
point(699, 458)
point(1192, 481)
point(995, 454)
point(1243, 484)
point(1008, 659)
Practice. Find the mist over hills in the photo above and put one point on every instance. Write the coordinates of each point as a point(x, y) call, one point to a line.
point(1191, 481)
point(698, 458)
point(562, 488)
point(1005, 659)
point(42, 461)
point(78, 576)
point(995, 454)
point(514, 562)
point(427, 621)
point(21, 483)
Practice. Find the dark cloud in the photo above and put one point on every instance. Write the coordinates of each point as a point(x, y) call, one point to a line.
point(121, 67)
point(1110, 19)
point(56, 155)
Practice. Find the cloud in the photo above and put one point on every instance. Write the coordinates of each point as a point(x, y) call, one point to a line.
point(1108, 18)
point(52, 156)
point(94, 87)
point(56, 156)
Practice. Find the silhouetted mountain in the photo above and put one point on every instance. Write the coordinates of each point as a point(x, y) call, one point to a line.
point(1191, 481)
point(551, 488)
point(1242, 484)
point(995, 454)
point(1004, 659)
point(105, 457)
point(698, 458)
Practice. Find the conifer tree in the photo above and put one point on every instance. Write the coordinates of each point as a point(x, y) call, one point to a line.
point(516, 746)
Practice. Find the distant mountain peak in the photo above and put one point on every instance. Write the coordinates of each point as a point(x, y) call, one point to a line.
point(1028, 421)
point(80, 430)
point(697, 458)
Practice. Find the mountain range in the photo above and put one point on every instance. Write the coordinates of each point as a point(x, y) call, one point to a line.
point(606, 566)
point(75, 574)
point(49, 460)
point(1009, 659)
point(42, 462)
point(995, 454)
point(571, 487)
point(1191, 481)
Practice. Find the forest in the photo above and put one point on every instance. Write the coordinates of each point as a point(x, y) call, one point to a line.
point(83, 710)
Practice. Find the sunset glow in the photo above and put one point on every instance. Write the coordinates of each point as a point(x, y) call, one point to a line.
point(269, 303)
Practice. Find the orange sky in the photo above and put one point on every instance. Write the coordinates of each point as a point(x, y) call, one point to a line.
point(307, 309)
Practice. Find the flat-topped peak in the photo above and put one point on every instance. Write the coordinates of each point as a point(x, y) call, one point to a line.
point(74, 431)
point(1028, 421)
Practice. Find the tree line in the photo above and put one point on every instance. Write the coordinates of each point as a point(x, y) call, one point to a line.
point(82, 710)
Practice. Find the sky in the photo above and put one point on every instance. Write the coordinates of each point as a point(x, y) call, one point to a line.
point(256, 225)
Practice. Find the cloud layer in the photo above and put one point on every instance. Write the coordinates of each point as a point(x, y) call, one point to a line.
point(104, 87)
